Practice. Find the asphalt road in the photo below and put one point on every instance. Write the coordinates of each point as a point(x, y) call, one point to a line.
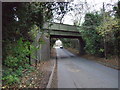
point(77, 72)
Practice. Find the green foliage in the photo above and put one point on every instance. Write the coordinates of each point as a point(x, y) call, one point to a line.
point(12, 76)
point(17, 61)
point(67, 42)
point(18, 72)
point(19, 54)
point(11, 62)
point(109, 29)
point(34, 31)
point(11, 79)
point(90, 35)
point(7, 71)
point(101, 33)
point(92, 20)
point(109, 26)
point(21, 24)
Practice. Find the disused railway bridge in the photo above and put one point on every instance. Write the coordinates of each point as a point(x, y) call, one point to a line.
point(57, 30)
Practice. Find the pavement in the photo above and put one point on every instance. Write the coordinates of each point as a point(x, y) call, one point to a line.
point(77, 72)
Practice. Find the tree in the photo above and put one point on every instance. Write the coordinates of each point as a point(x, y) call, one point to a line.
point(60, 9)
point(18, 20)
point(90, 35)
point(117, 34)
point(110, 30)
point(20, 17)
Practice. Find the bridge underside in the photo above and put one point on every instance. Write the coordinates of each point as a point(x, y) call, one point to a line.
point(65, 33)
point(63, 36)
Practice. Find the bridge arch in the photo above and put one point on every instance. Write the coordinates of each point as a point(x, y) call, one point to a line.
point(57, 30)
point(81, 42)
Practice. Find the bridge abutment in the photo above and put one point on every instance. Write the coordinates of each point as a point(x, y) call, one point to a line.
point(45, 49)
point(43, 53)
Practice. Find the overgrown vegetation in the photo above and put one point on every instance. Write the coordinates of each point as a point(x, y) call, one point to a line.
point(100, 32)
point(90, 35)
point(22, 22)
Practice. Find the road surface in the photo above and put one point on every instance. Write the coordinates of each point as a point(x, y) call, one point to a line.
point(76, 72)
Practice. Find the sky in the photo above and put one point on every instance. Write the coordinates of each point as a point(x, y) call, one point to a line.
point(95, 5)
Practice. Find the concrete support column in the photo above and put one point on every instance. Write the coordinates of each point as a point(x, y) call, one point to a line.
point(45, 49)
point(43, 53)
point(81, 46)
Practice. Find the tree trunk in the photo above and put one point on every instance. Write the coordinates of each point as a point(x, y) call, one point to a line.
point(29, 56)
point(105, 48)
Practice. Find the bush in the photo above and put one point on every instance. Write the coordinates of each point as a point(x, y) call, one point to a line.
point(11, 62)
point(90, 35)
point(11, 76)
point(18, 72)
point(10, 79)
point(16, 60)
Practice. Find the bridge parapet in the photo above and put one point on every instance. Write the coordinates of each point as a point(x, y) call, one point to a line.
point(60, 27)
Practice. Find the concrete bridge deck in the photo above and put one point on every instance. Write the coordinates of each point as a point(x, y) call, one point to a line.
point(57, 29)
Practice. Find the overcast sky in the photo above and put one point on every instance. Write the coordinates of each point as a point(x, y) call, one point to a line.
point(95, 5)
